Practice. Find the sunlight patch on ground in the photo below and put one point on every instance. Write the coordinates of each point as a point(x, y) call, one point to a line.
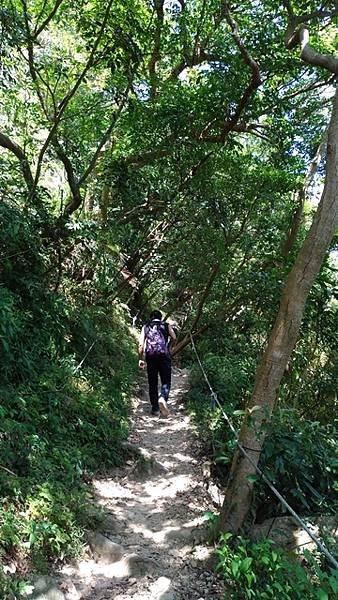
point(184, 458)
point(173, 425)
point(86, 569)
point(202, 553)
point(169, 487)
point(157, 507)
point(111, 489)
point(157, 536)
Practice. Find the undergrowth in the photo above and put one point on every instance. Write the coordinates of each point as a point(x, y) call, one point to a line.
point(66, 372)
point(261, 571)
point(300, 457)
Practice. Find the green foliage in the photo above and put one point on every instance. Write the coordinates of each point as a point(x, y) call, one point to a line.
point(49, 524)
point(67, 367)
point(301, 458)
point(258, 570)
point(13, 589)
point(174, 167)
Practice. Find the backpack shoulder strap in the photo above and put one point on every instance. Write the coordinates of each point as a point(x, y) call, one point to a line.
point(165, 326)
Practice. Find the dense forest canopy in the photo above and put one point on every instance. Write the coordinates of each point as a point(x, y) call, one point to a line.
point(159, 154)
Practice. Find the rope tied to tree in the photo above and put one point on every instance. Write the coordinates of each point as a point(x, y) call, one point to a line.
point(213, 401)
point(243, 450)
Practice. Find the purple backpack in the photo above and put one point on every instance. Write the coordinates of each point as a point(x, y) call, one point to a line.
point(156, 334)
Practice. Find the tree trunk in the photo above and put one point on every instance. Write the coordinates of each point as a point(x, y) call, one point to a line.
point(283, 338)
point(204, 296)
point(292, 234)
point(296, 221)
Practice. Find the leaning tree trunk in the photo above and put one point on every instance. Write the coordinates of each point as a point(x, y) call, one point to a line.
point(283, 338)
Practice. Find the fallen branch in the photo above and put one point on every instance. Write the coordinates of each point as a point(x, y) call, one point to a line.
point(8, 471)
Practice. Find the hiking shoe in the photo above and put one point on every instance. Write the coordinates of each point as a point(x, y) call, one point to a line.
point(155, 412)
point(163, 407)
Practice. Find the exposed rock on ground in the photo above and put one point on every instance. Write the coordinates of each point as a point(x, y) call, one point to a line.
point(284, 532)
point(152, 543)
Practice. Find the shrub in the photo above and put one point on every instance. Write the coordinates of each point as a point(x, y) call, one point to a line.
point(258, 570)
point(301, 458)
point(66, 373)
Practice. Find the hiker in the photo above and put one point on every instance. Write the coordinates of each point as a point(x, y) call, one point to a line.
point(154, 348)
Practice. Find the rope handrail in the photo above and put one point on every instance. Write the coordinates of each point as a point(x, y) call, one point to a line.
point(241, 448)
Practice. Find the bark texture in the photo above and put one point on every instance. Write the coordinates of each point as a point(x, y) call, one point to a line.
point(13, 147)
point(283, 338)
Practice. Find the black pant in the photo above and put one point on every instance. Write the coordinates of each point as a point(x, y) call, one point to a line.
point(158, 365)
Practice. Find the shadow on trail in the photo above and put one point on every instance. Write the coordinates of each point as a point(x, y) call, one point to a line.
point(156, 506)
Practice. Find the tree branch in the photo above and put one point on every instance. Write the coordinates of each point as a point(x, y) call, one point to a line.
point(64, 103)
point(155, 56)
point(321, 13)
point(7, 143)
point(308, 88)
point(149, 155)
point(255, 81)
point(311, 56)
point(297, 34)
point(199, 53)
point(252, 128)
point(31, 64)
point(167, 146)
point(296, 220)
point(8, 471)
point(104, 138)
point(71, 178)
point(46, 22)
point(187, 340)
point(204, 296)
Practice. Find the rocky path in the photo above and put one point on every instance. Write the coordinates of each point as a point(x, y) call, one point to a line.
point(151, 545)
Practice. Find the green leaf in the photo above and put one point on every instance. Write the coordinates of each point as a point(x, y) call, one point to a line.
point(254, 409)
point(253, 478)
point(235, 565)
point(32, 539)
point(246, 563)
point(333, 581)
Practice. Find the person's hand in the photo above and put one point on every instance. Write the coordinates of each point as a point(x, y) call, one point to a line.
point(141, 364)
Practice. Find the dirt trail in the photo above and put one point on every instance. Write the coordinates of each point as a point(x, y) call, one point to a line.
point(156, 509)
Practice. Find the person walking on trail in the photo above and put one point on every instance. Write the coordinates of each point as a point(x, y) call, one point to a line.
point(154, 353)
